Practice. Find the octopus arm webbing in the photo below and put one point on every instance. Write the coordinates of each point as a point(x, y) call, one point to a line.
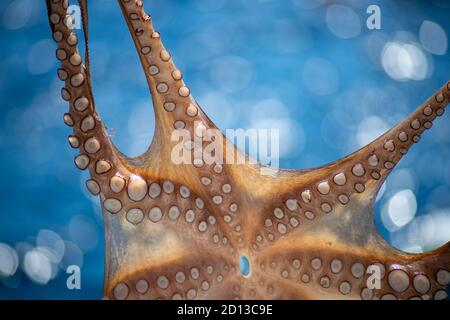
point(179, 230)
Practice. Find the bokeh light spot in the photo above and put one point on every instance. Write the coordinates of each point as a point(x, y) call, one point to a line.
point(343, 21)
point(433, 37)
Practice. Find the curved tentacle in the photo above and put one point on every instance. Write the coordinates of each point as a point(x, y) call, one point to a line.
point(185, 274)
point(318, 265)
point(330, 209)
point(177, 112)
point(174, 106)
point(97, 153)
point(356, 178)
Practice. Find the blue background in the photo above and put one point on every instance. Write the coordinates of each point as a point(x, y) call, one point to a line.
point(313, 70)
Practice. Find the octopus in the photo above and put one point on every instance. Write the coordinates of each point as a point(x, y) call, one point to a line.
point(203, 230)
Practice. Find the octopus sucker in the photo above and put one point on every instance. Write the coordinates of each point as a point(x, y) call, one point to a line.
point(181, 231)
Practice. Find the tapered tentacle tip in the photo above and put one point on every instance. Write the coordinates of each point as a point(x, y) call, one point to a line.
point(376, 160)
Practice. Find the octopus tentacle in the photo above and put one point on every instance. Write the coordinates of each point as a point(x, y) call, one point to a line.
point(173, 104)
point(197, 274)
point(175, 109)
point(323, 191)
point(323, 268)
point(333, 210)
point(97, 152)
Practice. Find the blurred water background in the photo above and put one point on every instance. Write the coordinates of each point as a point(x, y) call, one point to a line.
point(310, 68)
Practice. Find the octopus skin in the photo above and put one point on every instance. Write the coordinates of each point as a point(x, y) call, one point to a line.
point(178, 231)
